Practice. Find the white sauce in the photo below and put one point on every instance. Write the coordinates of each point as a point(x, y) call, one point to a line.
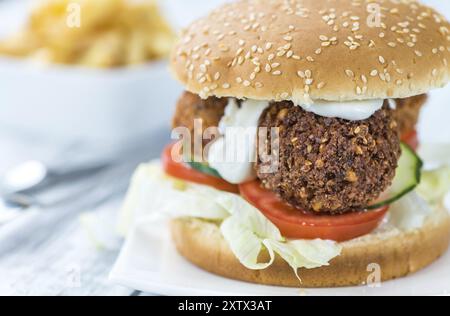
point(351, 110)
point(392, 104)
point(238, 168)
point(241, 170)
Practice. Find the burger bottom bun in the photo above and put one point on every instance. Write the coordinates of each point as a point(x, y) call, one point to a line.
point(397, 254)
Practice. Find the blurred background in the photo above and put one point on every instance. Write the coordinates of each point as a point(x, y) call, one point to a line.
point(82, 105)
point(77, 91)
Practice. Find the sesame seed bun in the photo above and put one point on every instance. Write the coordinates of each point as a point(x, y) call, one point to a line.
point(314, 49)
point(397, 253)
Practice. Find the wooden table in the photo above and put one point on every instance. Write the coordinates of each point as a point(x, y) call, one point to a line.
point(48, 251)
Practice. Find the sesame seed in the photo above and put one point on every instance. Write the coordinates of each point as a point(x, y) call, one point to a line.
point(224, 48)
point(226, 86)
point(276, 73)
point(381, 59)
point(258, 85)
point(349, 73)
point(320, 85)
point(364, 78)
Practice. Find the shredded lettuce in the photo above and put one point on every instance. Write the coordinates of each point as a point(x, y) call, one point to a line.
point(409, 212)
point(154, 194)
point(435, 185)
point(246, 230)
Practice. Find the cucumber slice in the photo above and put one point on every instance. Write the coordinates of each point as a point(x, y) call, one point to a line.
point(406, 179)
point(204, 169)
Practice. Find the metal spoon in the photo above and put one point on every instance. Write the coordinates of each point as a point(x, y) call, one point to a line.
point(21, 184)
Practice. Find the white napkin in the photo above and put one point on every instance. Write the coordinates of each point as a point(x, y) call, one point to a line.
point(149, 262)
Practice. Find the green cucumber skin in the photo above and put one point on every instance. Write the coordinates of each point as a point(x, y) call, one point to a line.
point(405, 149)
point(204, 169)
point(417, 176)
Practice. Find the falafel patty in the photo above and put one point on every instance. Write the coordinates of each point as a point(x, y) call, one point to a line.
point(407, 112)
point(331, 165)
point(191, 107)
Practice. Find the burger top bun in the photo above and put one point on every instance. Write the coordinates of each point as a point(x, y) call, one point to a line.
point(336, 50)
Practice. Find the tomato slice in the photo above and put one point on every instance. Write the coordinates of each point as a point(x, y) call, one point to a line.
point(411, 139)
point(296, 224)
point(182, 171)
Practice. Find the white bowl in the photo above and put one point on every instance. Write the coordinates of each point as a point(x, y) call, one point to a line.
point(77, 104)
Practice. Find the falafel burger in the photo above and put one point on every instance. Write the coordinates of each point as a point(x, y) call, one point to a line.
point(295, 162)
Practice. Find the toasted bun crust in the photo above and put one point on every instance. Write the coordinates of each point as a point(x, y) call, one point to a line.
point(315, 49)
point(398, 255)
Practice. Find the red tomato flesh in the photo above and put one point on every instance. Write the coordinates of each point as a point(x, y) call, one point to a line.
point(297, 224)
point(411, 139)
point(183, 171)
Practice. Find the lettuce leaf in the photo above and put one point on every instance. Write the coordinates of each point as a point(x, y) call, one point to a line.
point(409, 212)
point(154, 194)
point(435, 185)
point(246, 230)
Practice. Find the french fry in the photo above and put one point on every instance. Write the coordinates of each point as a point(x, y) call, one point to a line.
point(111, 33)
